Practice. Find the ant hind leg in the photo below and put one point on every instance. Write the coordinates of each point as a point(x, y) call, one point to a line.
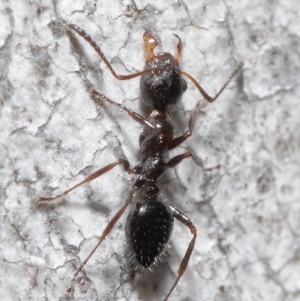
point(106, 231)
point(186, 221)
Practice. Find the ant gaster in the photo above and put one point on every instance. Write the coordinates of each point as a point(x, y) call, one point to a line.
point(150, 225)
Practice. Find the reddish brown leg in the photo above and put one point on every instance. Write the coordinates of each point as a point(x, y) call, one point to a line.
point(137, 117)
point(88, 38)
point(177, 141)
point(186, 221)
point(177, 159)
point(103, 236)
point(91, 177)
point(201, 90)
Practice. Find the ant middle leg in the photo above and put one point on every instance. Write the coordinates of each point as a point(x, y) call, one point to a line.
point(177, 159)
point(91, 177)
point(186, 221)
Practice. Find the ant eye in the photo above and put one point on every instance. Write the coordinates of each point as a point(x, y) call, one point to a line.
point(148, 81)
point(184, 85)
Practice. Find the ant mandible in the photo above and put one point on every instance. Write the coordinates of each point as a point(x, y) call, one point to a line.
point(150, 225)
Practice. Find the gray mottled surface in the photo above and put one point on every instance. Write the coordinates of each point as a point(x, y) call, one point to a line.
point(52, 134)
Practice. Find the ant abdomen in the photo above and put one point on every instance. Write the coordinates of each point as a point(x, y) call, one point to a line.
point(149, 229)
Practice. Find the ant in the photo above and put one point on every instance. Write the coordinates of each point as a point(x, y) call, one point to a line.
point(149, 226)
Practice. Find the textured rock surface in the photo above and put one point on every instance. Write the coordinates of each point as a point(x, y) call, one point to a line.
point(52, 134)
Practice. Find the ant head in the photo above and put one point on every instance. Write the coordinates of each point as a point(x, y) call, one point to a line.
point(164, 86)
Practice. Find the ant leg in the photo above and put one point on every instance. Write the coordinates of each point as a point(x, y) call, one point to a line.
point(93, 176)
point(88, 38)
point(177, 159)
point(177, 141)
point(201, 90)
point(102, 237)
point(137, 117)
point(186, 221)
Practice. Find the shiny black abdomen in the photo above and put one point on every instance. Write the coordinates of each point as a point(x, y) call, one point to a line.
point(149, 230)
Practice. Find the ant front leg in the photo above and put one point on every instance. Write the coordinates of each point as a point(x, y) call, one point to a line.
point(186, 221)
point(91, 177)
point(177, 141)
point(177, 159)
point(137, 117)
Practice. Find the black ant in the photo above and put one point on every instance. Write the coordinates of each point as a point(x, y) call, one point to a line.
point(150, 225)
